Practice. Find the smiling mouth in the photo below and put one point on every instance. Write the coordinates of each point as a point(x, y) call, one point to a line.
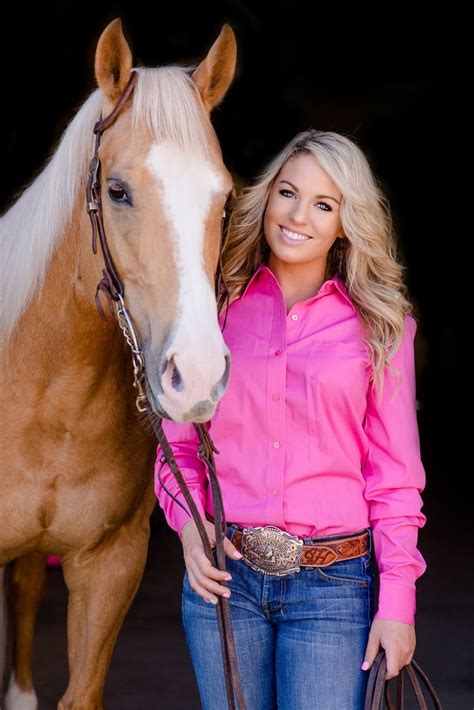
point(294, 236)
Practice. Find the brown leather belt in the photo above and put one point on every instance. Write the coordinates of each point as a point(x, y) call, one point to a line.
point(272, 551)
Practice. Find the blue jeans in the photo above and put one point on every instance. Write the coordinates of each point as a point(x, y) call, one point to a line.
point(300, 639)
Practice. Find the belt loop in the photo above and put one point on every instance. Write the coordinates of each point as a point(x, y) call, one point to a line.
point(231, 530)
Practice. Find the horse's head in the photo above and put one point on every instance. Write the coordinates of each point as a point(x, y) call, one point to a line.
point(164, 187)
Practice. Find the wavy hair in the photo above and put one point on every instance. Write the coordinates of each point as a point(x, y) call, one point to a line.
point(366, 259)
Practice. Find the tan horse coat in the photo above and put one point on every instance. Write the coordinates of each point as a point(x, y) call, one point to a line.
point(76, 465)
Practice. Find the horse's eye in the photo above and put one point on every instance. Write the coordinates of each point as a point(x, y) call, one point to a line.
point(118, 194)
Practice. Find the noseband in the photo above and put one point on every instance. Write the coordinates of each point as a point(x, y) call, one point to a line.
point(112, 287)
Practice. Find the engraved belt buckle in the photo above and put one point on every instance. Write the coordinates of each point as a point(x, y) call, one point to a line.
point(271, 551)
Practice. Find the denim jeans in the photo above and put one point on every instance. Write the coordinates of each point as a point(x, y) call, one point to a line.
point(300, 639)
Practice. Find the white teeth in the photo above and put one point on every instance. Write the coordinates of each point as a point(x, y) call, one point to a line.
point(294, 236)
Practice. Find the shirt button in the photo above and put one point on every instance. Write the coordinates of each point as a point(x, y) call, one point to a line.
point(294, 317)
point(275, 397)
point(276, 444)
point(277, 352)
point(275, 492)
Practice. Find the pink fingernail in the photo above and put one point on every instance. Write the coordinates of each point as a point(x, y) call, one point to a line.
point(228, 578)
point(364, 666)
point(226, 595)
point(237, 555)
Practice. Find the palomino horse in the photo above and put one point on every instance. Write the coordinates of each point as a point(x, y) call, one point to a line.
point(76, 463)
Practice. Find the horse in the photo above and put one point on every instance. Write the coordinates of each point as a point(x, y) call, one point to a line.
point(76, 462)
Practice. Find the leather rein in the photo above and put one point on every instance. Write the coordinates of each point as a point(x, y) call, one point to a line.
point(378, 694)
point(111, 285)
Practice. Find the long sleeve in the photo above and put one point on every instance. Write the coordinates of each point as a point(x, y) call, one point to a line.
point(184, 443)
point(394, 478)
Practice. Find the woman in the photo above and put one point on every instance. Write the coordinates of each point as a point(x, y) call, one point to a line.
point(318, 439)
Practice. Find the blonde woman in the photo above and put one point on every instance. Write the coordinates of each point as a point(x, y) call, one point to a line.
point(319, 458)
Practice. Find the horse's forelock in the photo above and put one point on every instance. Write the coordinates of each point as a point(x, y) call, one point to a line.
point(168, 106)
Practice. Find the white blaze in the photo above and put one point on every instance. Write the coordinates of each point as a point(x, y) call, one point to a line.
point(187, 184)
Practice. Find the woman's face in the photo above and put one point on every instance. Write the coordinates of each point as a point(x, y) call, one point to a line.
point(302, 217)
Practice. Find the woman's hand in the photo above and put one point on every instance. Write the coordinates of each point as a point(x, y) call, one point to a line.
point(397, 639)
point(203, 577)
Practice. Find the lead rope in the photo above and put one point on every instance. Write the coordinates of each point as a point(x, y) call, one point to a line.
point(227, 636)
point(206, 451)
point(378, 688)
point(112, 287)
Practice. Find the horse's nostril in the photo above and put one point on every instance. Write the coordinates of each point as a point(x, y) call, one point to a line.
point(176, 379)
point(225, 376)
point(218, 389)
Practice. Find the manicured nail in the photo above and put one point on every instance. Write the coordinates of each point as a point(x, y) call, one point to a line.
point(213, 601)
point(237, 555)
point(226, 595)
point(364, 666)
point(228, 578)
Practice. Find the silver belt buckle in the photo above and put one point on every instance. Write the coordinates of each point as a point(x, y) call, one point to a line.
point(271, 551)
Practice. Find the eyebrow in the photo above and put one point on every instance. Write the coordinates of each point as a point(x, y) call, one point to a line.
point(319, 197)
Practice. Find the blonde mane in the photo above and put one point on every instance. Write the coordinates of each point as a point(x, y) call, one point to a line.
point(165, 103)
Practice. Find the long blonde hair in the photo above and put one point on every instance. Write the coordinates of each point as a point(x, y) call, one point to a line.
point(371, 271)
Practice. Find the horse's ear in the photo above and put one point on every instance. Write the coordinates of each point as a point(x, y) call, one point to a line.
point(113, 61)
point(215, 73)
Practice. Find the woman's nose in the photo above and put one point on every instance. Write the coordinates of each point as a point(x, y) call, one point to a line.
point(298, 213)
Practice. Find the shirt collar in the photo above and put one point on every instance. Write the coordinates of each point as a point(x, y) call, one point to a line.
point(329, 286)
point(253, 279)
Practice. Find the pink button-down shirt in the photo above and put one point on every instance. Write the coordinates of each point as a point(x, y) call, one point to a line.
point(304, 442)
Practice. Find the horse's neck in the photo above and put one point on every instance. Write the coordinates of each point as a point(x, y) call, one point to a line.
point(62, 318)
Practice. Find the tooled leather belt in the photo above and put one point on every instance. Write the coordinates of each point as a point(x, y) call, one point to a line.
point(272, 551)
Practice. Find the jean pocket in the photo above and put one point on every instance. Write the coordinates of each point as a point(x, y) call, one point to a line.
point(356, 572)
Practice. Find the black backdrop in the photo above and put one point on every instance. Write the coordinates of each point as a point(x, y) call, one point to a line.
point(382, 78)
point(386, 77)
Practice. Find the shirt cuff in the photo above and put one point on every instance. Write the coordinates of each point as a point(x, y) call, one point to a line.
point(397, 602)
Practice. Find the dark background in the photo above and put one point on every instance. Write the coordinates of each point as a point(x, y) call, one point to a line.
point(388, 78)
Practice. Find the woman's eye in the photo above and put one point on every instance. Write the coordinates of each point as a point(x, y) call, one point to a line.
point(326, 207)
point(286, 193)
point(118, 194)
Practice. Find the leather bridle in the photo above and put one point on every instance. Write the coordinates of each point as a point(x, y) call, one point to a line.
point(112, 287)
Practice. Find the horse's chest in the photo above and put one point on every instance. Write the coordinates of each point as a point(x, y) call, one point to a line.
point(84, 515)
point(70, 489)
